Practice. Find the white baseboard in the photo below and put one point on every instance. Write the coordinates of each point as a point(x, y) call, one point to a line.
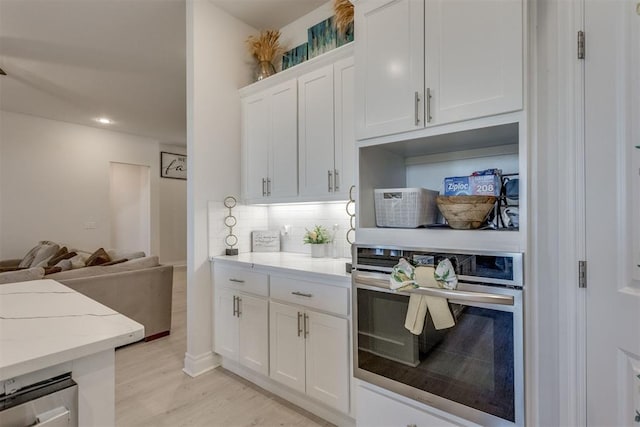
point(198, 365)
point(322, 411)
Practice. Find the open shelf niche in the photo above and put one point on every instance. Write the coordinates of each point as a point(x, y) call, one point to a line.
point(425, 162)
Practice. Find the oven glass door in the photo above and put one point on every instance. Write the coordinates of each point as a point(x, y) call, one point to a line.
point(473, 363)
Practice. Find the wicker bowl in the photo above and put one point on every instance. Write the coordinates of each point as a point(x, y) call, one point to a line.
point(465, 212)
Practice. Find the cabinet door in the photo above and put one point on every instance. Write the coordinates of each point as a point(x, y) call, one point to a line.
point(253, 333)
point(345, 138)
point(287, 346)
point(473, 58)
point(389, 66)
point(226, 324)
point(316, 134)
point(283, 155)
point(328, 360)
point(255, 137)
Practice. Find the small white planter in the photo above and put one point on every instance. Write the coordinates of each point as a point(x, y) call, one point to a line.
point(319, 250)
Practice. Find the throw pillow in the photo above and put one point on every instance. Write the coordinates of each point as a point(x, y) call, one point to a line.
point(47, 250)
point(51, 270)
point(119, 254)
point(28, 258)
point(56, 259)
point(62, 251)
point(78, 261)
point(99, 257)
point(64, 265)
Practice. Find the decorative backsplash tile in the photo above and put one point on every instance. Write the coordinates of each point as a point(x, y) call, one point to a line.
point(298, 217)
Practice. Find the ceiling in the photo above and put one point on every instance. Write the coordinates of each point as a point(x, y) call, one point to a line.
point(78, 60)
point(268, 14)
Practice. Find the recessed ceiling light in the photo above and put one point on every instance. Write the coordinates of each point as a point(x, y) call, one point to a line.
point(104, 120)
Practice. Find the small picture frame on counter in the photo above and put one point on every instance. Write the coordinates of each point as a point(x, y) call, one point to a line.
point(265, 241)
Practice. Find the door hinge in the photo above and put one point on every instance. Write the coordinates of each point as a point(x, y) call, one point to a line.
point(581, 46)
point(582, 274)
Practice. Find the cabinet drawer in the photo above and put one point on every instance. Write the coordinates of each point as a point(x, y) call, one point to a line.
point(241, 279)
point(376, 410)
point(318, 295)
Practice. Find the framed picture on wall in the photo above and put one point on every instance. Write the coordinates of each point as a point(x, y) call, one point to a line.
point(173, 165)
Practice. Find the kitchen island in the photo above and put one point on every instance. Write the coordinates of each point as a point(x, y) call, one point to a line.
point(48, 329)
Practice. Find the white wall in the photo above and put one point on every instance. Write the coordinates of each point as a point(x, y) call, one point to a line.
point(173, 215)
point(55, 178)
point(217, 65)
point(295, 33)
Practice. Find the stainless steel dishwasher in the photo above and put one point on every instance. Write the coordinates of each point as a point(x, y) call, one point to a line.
point(51, 403)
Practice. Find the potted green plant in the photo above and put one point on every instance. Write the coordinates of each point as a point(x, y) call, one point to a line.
point(319, 239)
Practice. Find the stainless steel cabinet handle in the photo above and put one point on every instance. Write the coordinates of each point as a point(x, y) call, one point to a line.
point(236, 280)
point(336, 180)
point(306, 325)
point(264, 191)
point(268, 186)
point(301, 294)
point(299, 323)
point(429, 105)
point(235, 310)
point(329, 179)
point(239, 301)
point(416, 105)
point(412, 425)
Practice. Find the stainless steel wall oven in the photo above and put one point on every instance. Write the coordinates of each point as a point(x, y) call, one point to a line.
point(474, 369)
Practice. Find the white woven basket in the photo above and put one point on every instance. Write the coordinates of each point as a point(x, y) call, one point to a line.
point(405, 207)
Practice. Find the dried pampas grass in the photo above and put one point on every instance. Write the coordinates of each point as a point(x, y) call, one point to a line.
point(344, 14)
point(266, 46)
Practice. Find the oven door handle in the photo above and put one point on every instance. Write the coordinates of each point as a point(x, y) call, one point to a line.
point(466, 296)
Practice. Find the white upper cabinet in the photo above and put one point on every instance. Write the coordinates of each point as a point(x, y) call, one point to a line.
point(390, 66)
point(298, 134)
point(473, 58)
point(270, 143)
point(326, 132)
point(316, 134)
point(345, 137)
point(427, 63)
point(255, 135)
point(283, 160)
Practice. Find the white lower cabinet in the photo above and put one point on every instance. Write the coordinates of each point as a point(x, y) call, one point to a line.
point(376, 410)
point(309, 352)
point(241, 328)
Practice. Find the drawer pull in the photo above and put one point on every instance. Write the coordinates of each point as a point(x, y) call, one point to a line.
point(302, 294)
point(236, 280)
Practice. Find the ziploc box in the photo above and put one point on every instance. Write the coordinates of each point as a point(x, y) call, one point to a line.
point(457, 186)
point(474, 185)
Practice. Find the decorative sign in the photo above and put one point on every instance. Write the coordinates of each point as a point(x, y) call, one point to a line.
point(173, 165)
point(265, 241)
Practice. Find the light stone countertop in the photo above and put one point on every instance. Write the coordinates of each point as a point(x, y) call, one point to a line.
point(286, 262)
point(44, 323)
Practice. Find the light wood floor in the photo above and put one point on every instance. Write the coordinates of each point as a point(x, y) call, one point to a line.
point(152, 390)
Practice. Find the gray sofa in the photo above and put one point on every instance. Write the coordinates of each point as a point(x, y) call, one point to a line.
point(140, 288)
